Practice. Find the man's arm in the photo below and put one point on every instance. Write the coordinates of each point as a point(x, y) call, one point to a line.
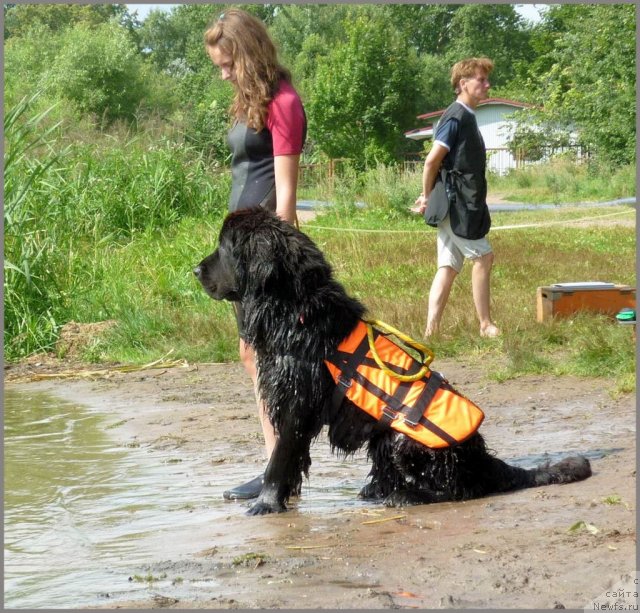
point(429, 173)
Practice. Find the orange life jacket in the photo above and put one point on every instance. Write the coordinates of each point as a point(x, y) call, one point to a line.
point(428, 409)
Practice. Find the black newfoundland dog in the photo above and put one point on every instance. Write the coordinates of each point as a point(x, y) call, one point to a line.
point(295, 316)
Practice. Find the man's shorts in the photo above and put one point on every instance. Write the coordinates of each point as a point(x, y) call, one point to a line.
point(453, 249)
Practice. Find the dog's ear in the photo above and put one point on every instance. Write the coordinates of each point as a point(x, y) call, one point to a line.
point(269, 260)
point(272, 257)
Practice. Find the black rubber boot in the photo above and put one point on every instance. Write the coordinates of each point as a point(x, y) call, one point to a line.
point(246, 491)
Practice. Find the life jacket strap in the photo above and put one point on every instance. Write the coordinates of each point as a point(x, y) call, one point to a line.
point(414, 414)
point(347, 363)
point(439, 432)
point(387, 417)
point(394, 405)
point(342, 357)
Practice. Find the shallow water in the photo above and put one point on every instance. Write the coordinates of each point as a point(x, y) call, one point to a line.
point(81, 511)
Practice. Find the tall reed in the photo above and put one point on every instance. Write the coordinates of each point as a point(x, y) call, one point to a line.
point(66, 205)
point(30, 293)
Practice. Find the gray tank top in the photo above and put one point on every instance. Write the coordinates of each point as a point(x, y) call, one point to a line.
point(252, 168)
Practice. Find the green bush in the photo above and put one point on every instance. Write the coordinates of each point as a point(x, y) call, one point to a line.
point(99, 70)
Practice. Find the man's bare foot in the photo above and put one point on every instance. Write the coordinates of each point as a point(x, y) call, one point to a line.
point(429, 332)
point(490, 331)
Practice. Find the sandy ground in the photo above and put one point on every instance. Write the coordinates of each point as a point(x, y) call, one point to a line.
point(511, 551)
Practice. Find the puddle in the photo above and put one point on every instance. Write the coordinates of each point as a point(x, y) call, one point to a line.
point(536, 459)
point(82, 513)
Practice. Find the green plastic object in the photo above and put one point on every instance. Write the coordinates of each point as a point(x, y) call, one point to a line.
point(626, 315)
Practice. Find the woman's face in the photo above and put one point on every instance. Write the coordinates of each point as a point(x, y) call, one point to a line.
point(224, 62)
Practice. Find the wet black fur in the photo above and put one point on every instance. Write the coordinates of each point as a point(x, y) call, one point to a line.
point(296, 314)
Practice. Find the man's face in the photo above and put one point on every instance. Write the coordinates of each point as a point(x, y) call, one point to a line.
point(476, 87)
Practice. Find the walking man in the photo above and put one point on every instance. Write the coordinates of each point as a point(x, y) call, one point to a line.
point(454, 196)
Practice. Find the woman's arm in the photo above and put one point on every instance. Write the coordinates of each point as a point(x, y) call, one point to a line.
point(286, 175)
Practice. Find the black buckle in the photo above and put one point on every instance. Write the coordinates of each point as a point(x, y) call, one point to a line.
point(346, 383)
point(388, 415)
point(412, 423)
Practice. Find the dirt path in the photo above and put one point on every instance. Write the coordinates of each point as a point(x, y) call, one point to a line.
point(619, 217)
point(510, 551)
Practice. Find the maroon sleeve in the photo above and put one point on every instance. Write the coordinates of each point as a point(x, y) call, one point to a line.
point(286, 121)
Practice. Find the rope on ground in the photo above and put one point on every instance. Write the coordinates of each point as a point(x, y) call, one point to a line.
point(493, 228)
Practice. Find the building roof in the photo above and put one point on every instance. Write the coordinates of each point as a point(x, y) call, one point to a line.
point(488, 101)
point(419, 133)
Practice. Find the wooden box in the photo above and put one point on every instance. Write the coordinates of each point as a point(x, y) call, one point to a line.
point(562, 299)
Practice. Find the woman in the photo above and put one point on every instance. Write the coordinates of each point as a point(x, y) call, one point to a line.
point(266, 141)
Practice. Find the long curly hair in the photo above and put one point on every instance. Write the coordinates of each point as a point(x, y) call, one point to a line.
point(258, 73)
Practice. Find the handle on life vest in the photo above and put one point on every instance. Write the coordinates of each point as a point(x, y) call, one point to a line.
point(405, 339)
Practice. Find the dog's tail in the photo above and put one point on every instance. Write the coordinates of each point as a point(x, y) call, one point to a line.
point(574, 468)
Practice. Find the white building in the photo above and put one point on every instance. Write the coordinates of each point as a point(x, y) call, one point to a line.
point(492, 117)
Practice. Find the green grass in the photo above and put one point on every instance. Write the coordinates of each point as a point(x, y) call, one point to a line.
point(390, 267)
point(73, 211)
point(562, 181)
point(160, 306)
point(109, 227)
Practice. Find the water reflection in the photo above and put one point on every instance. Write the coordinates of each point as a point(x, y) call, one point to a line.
point(76, 505)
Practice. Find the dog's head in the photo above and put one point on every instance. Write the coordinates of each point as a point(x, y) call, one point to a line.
point(217, 274)
point(259, 254)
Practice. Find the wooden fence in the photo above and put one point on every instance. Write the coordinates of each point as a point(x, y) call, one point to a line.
point(310, 175)
point(499, 160)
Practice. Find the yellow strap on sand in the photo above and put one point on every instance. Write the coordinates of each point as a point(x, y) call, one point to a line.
point(423, 349)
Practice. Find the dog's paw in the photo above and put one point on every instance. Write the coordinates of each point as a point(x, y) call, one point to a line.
point(370, 492)
point(405, 498)
point(574, 468)
point(265, 508)
point(399, 498)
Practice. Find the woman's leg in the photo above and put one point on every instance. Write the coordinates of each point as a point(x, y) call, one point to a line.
point(248, 360)
point(251, 489)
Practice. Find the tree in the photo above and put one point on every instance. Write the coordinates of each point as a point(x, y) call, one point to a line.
point(20, 18)
point(585, 76)
point(306, 32)
point(100, 71)
point(428, 27)
point(164, 38)
point(492, 30)
point(364, 91)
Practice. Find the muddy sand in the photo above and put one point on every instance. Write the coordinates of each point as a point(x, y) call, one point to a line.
point(549, 547)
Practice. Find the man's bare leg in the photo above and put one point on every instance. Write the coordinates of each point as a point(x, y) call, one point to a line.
point(480, 284)
point(438, 296)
